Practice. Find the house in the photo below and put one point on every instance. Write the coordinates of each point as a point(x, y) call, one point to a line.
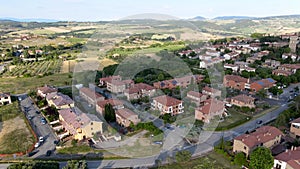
point(289, 67)
point(231, 55)
point(267, 136)
point(196, 97)
point(178, 82)
point(236, 82)
point(125, 116)
point(234, 68)
point(5, 98)
point(78, 124)
point(90, 95)
point(247, 69)
point(213, 53)
point(289, 55)
point(290, 159)
point(211, 92)
point(139, 90)
point(45, 90)
point(166, 104)
point(262, 84)
point(210, 109)
point(295, 127)
point(261, 54)
point(279, 72)
point(117, 104)
point(103, 81)
point(243, 101)
point(118, 86)
point(209, 63)
point(273, 64)
point(59, 101)
point(252, 59)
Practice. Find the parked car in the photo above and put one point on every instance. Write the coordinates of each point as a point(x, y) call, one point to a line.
point(56, 142)
point(48, 153)
point(32, 153)
point(259, 121)
point(43, 120)
point(41, 139)
point(37, 145)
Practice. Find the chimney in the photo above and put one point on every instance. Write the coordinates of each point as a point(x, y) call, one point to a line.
point(292, 148)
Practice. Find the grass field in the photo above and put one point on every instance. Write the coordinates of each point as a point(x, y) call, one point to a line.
point(68, 66)
point(213, 160)
point(14, 128)
point(22, 85)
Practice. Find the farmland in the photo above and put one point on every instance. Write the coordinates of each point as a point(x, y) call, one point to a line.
point(30, 69)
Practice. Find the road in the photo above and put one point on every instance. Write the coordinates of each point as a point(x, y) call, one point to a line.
point(44, 130)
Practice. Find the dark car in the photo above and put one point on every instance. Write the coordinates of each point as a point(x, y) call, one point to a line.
point(259, 121)
point(56, 142)
point(32, 153)
point(37, 112)
point(48, 153)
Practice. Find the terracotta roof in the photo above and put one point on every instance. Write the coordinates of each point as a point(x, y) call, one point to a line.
point(209, 89)
point(138, 87)
point(195, 94)
point(278, 71)
point(294, 163)
point(4, 95)
point(47, 89)
point(59, 99)
point(113, 102)
point(109, 78)
point(296, 120)
point(261, 135)
point(290, 66)
point(243, 98)
point(90, 93)
point(235, 78)
point(125, 113)
point(289, 155)
point(167, 100)
point(211, 106)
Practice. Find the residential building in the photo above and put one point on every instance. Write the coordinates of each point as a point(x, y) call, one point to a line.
point(273, 64)
point(80, 125)
point(45, 90)
point(118, 86)
point(166, 104)
point(103, 81)
point(262, 84)
point(139, 90)
point(117, 104)
point(59, 101)
point(210, 109)
point(279, 72)
point(267, 136)
point(243, 101)
point(178, 82)
point(295, 128)
point(236, 82)
point(125, 116)
point(231, 55)
point(233, 67)
point(247, 69)
point(5, 98)
point(196, 97)
point(90, 95)
point(211, 92)
point(294, 57)
point(289, 67)
point(290, 159)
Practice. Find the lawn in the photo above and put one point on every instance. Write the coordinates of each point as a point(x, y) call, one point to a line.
point(22, 85)
point(14, 128)
point(9, 111)
point(214, 159)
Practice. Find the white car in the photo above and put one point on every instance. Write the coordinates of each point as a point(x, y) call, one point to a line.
point(37, 145)
point(41, 139)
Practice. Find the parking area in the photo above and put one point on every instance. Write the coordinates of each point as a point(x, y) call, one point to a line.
point(39, 125)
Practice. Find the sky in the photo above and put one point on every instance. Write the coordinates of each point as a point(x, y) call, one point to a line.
point(96, 10)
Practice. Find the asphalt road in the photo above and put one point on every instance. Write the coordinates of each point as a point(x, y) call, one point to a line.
point(44, 130)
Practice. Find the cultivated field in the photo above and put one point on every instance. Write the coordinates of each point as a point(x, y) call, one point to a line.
point(35, 68)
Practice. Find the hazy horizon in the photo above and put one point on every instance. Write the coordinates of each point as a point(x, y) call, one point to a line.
point(95, 10)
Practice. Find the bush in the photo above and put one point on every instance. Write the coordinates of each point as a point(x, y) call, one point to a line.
point(183, 156)
point(35, 165)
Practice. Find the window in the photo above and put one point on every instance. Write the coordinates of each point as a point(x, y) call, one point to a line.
point(91, 128)
point(245, 148)
point(91, 123)
point(278, 166)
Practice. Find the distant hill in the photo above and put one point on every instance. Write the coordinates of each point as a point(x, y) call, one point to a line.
point(198, 18)
point(281, 17)
point(233, 17)
point(27, 19)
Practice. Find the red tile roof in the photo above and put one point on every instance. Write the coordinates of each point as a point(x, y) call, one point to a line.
point(47, 89)
point(292, 157)
point(235, 78)
point(113, 102)
point(195, 94)
point(125, 113)
point(243, 98)
point(261, 135)
point(90, 93)
point(211, 106)
point(167, 100)
point(139, 87)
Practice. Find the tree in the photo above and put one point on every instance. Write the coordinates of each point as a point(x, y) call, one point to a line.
point(240, 159)
point(206, 164)
point(109, 113)
point(261, 158)
point(245, 74)
point(183, 156)
point(262, 93)
point(161, 77)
